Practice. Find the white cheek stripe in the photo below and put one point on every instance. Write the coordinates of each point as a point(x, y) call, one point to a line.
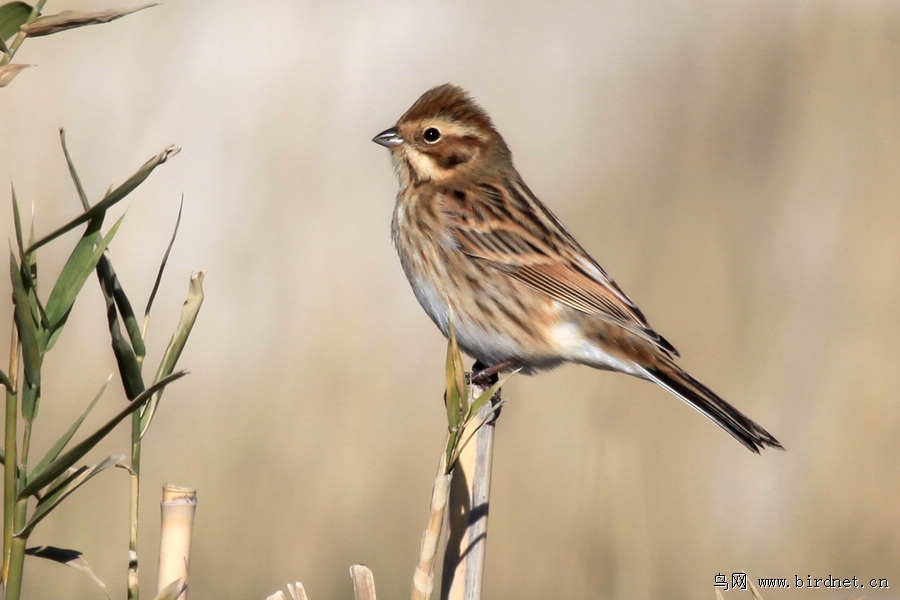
point(424, 165)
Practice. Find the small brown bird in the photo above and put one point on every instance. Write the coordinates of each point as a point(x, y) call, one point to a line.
point(475, 242)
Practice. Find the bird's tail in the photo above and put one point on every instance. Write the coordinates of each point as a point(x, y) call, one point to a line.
point(707, 403)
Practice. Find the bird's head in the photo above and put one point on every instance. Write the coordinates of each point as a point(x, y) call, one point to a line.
point(443, 136)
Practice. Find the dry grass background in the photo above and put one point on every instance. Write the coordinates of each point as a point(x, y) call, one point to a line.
point(734, 165)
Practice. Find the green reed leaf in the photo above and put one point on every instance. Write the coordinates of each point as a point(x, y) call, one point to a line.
point(189, 312)
point(117, 300)
point(64, 439)
point(456, 392)
point(26, 325)
point(81, 264)
point(486, 396)
point(162, 267)
point(111, 198)
point(5, 382)
point(60, 491)
point(73, 173)
point(59, 466)
point(12, 16)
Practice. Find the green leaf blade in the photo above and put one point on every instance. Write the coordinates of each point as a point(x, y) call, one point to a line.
point(73, 173)
point(46, 504)
point(115, 294)
point(162, 264)
point(457, 390)
point(12, 16)
point(70, 457)
point(111, 198)
point(64, 439)
point(25, 324)
point(486, 396)
point(189, 313)
point(5, 382)
point(81, 263)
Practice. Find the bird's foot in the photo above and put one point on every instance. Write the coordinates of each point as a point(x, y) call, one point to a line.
point(487, 376)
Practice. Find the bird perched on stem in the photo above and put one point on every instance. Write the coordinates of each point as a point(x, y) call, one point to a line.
point(476, 243)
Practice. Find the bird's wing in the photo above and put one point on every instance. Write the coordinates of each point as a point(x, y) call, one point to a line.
point(509, 227)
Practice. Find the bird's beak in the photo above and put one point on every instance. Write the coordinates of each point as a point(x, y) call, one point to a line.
point(388, 138)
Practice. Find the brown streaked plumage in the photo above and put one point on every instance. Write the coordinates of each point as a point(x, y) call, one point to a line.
point(473, 240)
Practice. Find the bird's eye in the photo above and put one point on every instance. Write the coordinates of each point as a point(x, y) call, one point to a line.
point(431, 135)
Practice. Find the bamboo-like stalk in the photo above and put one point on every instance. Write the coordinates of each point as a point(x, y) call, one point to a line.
point(11, 453)
point(134, 480)
point(15, 509)
point(464, 487)
point(295, 590)
point(423, 579)
point(177, 514)
point(363, 582)
point(470, 491)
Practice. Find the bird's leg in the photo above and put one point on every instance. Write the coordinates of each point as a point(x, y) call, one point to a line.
point(487, 376)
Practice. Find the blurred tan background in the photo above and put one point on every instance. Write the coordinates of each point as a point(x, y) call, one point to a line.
point(734, 165)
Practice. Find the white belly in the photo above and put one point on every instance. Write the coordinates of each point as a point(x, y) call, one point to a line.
point(488, 346)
